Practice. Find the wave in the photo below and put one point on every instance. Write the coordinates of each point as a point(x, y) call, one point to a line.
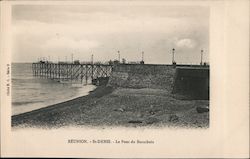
point(26, 102)
point(23, 78)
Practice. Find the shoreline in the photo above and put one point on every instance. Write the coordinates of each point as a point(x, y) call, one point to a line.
point(97, 92)
point(126, 107)
point(32, 107)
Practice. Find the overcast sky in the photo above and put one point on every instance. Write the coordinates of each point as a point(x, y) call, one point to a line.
point(59, 31)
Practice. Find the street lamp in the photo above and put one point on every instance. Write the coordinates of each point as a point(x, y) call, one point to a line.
point(142, 56)
point(118, 55)
point(173, 62)
point(201, 56)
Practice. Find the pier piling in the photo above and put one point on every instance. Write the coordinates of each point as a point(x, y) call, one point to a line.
point(63, 71)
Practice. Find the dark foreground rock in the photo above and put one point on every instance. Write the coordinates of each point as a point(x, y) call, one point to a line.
point(202, 109)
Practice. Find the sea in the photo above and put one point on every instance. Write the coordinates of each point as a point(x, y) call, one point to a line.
point(30, 93)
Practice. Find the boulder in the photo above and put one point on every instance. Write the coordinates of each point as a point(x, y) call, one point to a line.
point(200, 109)
point(173, 118)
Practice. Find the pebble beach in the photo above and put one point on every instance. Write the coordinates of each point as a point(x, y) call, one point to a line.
point(124, 107)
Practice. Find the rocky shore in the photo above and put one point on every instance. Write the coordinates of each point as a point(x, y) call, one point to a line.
point(107, 106)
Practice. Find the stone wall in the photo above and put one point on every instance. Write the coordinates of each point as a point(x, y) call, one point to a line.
point(192, 82)
point(142, 76)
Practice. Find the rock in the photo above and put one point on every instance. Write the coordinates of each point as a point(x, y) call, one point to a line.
point(119, 109)
point(173, 118)
point(151, 112)
point(202, 109)
point(195, 122)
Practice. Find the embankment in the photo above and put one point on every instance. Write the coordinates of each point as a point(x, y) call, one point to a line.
point(142, 76)
point(189, 80)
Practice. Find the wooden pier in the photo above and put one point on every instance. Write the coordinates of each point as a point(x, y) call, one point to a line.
point(70, 71)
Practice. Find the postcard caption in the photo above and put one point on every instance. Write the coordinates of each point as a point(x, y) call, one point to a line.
point(108, 141)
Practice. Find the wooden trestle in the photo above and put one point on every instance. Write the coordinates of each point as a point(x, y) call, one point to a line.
point(70, 71)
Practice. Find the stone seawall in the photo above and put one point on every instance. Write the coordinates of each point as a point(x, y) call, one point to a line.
point(193, 82)
point(142, 76)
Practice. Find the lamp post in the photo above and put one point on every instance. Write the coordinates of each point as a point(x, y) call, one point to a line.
point(142, 54)
point(118, 55)
point(201, 56)
point(142, 58)
point(173, 62)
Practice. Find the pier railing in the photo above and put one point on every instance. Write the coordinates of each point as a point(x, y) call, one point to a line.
point(79, 72)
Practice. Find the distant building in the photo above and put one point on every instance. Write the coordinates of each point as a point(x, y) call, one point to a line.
point(116, 62)
point(76, 62)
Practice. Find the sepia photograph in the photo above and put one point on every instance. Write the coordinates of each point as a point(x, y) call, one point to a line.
point(124, 79)
point(131, 66)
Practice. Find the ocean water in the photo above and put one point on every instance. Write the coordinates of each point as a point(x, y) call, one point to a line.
point(30, 92)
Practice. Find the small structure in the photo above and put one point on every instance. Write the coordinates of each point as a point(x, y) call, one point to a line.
point(76, 62)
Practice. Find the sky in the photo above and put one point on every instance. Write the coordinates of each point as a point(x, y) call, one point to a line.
point(56, 32)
